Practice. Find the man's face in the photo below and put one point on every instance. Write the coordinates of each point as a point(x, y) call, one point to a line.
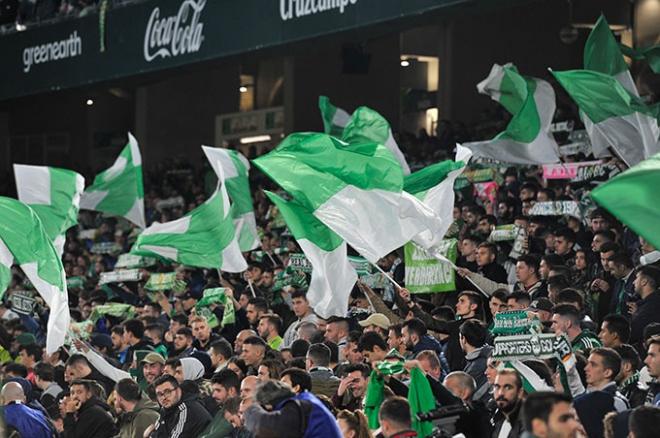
point(523, 272)
point(238, 342)
point(73, 373)
point(496, 306)
point(527, 194)
point(562, 246)
point(353, 354)
point(463, 306)
point(181, 342)
point(562, 422)
point(151, 371)
point(597, 242)
point(484, 256)
point(506, 392)
point(595, 371)
point(513, 304)
point(608, 338)
point(559, 325)
point(376, 355)
point(178, 374)
point(471, 218)
point(263, 328)
point(358, 385)
point(393, 341)
point(429, 369)
point(252, 314)
point(491, 370)
point(201, 331)
point(605, 260)
point(266, 279)
point(151, 311)
point(167, 395)
point(618, 270)
point(502, 209)
point(300, 306)
point(468, 247)
point(251, 354)
point(407, 338)
point(484, 227)
point(248, 385)
point(26, 360)
point(544, 270)
point(580, 260)
point(332, 332)
point(599, 224)
point(263, 373)
point(80, 393)
point(652, 360)
point(219, 393)
point(117, 341)
point(453, 385)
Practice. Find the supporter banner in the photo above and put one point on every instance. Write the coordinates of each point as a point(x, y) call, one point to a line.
point(129, 261)
point(165, 281)
point(534, 346)
point(120, 276)
point(290, 277)
point(105, 248)
point(159, 34)
point(23, 302)
point(511, 323)
point(471, 176)
point(425, 273)
point(556, 208)
point(568, 170)
point(503, 233)
point(75, 283)
point(298, 261)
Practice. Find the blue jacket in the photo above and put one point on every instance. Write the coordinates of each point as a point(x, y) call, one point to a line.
point(321, 422)
point(27, 421)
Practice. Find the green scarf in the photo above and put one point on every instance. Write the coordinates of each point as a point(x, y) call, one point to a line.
point(217, 296)
point(118, 310)
point(373, 399)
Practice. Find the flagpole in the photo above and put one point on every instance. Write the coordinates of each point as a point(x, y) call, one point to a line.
point(397, 285)
point(254, 295)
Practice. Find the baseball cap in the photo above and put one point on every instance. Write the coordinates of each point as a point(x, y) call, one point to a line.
point(377, 319)
point(153, 358)
point(541, 304)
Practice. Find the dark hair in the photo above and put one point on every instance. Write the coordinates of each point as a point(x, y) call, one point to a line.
point(227, 378)
point(571, 296)
point(500, 294)
point(16, 368)
point(259, 303)
point(274, 366)
point(300, 293)
point(607, 234)
point(117, 330)
point(618, 324)
point(552, 260)
point(240, 363)
point(566, 233)
point(298, 377)
point(370, 340)
point(156, 328)
point(166, 378)
point(651, 273)
point(135, 327)
point(520, 296)
point(45, 371)
point(629, 354)
point(609, 246)
point(275, 320)
point(489, 218)
point(354, 336)
point(567, 311)
point(443, 313)
point(549, 193)
point(255, 340)
point(363, 368)
point(334, 351)
point(222, 347)
point(180, 318)
point(475, 332)
point(558, 282)
point(611, 360)
point(319, 354)
point(539, 405)
point(474, 298)
point(155, 305)
point(128, 389)
point(396, 328)
point(621, 258)
point(86, 383)
point(643, 421)
point(299, 348)
point(185, 331)
point(232, 405)
point(415, 326)
point(396, 410)
point(32, 350)
point(77, 359)
point(531, 261)
point(491, 247)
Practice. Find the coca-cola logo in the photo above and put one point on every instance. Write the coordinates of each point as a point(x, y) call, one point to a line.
point(175, 35)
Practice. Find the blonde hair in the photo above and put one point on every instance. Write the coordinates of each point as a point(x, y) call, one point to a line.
point(198, 318)
point(357, 422)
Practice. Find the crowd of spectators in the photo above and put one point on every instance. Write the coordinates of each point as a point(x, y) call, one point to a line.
point(161, 368)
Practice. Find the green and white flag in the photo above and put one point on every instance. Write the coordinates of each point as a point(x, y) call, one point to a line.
point(617, 114)
point(334, 119)
point(527, 138)
point(633, 136)
point(356, 190)
point(235, 169)
point(203, 238)
point(54, 194)
point(434, 185)
point(366, 125)
point(363, 125)
point(333, 276)
point(24, 241)
point(118, 190)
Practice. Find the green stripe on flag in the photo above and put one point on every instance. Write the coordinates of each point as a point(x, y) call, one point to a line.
point(602, 52)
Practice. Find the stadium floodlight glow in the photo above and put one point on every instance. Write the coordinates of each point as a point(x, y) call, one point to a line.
point(405, 63)
point(89, 102)
point(255, 139)
point(243, 89)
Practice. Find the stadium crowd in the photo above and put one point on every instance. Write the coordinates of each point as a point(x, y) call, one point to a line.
point(144, 361)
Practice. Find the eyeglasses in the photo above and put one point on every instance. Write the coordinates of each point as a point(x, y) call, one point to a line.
point(165, 393)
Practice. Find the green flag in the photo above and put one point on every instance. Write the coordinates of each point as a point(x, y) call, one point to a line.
point(118, 190)
point(334, 119)
point(618, 115)
point(24, 241)
point(117, 310)
point(235, 167)
point(217, 296)
point(632, 198)
point(531, 101)
point(54, 194)
point(203, 238)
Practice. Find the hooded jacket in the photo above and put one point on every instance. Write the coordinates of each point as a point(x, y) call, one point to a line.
point(188, 418)
point(133, 424)
point(91, 420)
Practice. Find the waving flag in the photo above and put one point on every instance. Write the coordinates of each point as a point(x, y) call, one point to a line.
point(118, 190)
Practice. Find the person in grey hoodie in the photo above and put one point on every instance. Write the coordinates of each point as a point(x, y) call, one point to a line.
point(136, 411)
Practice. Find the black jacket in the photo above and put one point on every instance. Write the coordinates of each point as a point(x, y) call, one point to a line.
point(514, 418)
point(186, 419)
point(91, 420)
point(648, 311)
point(494, 272)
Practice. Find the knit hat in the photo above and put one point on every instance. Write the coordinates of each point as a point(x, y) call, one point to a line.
point(25, 339)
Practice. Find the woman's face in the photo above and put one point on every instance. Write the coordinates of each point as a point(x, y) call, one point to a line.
point(580, 260)
point(346, 431)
